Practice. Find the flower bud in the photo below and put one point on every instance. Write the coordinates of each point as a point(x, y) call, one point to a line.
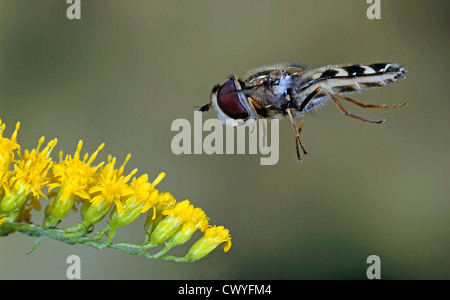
point(213, 236)
point(58, 208)
point(198, 220)
point(181, 218)
point(155, 214)
point(12, 205)
point(131, 211)
point(165, 229)
point(143, 197)
point(181, 237)
point(94, 213)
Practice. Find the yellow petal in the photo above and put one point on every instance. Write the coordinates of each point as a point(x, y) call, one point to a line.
point(119, 205)
point(83, 194)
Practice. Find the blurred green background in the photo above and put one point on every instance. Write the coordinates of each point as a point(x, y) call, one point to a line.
point(125, 71)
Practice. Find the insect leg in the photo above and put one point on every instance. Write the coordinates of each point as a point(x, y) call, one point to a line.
point(253, 114)
point(320, 89)
point(297, 135)
point(346, 113)
point(300, 126)
point(309, 98)
point(372, 106)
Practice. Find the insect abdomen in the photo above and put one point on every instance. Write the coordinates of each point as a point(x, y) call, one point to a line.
point(342, 79)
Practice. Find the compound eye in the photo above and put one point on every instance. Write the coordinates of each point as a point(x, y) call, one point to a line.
point(228, 101)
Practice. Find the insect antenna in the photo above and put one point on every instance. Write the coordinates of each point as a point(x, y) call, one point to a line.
point(203, 108)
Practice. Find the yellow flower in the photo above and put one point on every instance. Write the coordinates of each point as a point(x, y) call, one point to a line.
point(107, 189)
point(73, 177)
point(190, 216)
point(30, 171)
point(155, 215)
point(7, 147)
point(213, 236)
point(29, 177)
point(182, 216)
point(199, 220)
point(101, 188)
point(145, 193)
point(144, 197)
point(111, 186)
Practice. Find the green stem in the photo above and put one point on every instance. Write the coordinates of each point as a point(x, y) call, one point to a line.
point(175, 258)
point(92, 241)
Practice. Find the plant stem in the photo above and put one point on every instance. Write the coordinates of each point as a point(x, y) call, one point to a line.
point(61, 235)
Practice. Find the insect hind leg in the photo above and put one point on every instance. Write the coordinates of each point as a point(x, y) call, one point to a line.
point(371, 106)
point(341, 108)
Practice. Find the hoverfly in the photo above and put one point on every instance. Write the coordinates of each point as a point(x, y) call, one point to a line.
point(291, 90)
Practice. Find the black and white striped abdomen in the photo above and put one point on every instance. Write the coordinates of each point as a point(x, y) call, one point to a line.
point(351, 78)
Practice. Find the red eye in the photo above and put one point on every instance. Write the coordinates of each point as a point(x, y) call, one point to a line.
point(228, 101)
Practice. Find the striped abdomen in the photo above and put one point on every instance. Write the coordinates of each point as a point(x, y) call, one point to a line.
point(342, 79)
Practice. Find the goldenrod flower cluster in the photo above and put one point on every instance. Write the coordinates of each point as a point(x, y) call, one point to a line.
point(98, 188)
